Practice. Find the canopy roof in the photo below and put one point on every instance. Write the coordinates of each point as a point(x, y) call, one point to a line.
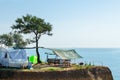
point(66, 54)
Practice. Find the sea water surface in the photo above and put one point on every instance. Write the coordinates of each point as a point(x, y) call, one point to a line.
point(98, 56)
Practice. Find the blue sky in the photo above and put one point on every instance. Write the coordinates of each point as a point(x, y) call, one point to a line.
point(76, 23)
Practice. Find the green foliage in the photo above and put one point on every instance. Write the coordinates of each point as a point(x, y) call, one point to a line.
point(6, 39)
point(13, 39)
point(31, 24)
point(18, 40)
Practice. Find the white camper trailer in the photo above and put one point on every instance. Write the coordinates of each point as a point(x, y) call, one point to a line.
point(13, 58)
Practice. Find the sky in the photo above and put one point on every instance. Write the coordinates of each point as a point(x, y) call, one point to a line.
point(76, 23)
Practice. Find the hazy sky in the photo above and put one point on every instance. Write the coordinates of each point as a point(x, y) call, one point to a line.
point(76, 23)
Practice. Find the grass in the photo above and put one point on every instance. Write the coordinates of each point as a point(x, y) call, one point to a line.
point(72, 67)
point(49, 68)
point(82, 66)
point(52, 69)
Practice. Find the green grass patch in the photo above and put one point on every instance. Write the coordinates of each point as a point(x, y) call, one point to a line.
point(52, 69)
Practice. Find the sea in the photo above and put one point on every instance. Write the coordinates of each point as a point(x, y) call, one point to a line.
point(109, 57)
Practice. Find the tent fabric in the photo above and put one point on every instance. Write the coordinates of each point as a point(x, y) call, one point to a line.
point(66, 54)
point(13, 58)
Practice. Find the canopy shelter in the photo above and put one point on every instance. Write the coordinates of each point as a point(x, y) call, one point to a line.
point(64, 55)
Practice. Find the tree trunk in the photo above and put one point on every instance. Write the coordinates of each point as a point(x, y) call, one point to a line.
point(37, 52)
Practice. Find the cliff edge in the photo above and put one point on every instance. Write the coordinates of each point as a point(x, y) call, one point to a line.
point(94, 73)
